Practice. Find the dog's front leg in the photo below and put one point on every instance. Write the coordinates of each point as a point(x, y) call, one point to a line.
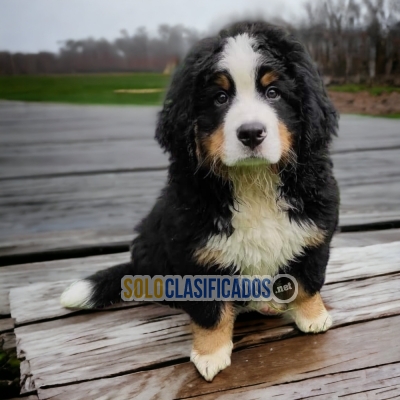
point(212, 346)
point(309, 312)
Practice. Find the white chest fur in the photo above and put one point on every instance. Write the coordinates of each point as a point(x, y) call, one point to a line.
point(264, 239)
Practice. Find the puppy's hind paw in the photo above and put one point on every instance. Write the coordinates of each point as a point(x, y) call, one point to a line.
point(210, 364)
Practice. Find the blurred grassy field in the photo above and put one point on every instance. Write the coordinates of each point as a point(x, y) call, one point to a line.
point(100, 89)
point(84, 89)
point(374, 90)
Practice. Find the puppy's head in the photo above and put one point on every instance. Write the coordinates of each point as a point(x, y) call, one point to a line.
point(250, 96)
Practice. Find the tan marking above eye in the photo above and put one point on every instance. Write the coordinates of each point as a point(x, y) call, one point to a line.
point(268, 78)
point(222, 81)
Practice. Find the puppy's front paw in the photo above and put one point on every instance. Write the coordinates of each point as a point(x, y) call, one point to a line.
point(210, 364)
point(320, 323)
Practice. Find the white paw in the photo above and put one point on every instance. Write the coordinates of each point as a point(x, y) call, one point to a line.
point(210, 364)
point(320, 324)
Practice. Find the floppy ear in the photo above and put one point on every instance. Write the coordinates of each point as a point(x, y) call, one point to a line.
point(175, 130)
point(320, 119)
point(176, 119)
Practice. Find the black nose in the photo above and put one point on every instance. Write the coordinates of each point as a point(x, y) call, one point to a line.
point(252, 134)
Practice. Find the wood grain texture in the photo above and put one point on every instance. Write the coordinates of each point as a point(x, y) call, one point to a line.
point(8, 341)
point(72, 158)
point(357, 239)
point(356, 263)
point(82, 344)
point(349, 348)
point(360, 133)
point(26, 244)
point(345, 264)
point(98, 202)
point(72, 240)
point(47, 295)
point(381, 382)
point(75, 210)
point(158, 334)
point(6, 324)
point(38, 123)
point(53, 271)
point(40, 139)
point(47, 139)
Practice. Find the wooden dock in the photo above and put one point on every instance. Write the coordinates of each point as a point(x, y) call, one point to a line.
point(75, 180)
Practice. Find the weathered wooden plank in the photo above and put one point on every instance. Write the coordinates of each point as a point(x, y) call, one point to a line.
point(6, 324)
point(38, 123)
point(23, 275)
point(367, 168)
point(48, 296)
point(381, 382)
point(349, 348)
point(78, 205)
point(61, 139)
point(49, 159)
point(63, 241)
point(8, 341)
point(99, 202)
point(360, 133)
point(75, 240)
point(35, 123)
point(356, 263)
point(153, 334)
point(345, 264)
point(158, 334)
point(356, 239)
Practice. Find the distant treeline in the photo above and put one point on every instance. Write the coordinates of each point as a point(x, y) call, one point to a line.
point(350, 40)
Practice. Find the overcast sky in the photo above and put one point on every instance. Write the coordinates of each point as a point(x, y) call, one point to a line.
point(35, 25)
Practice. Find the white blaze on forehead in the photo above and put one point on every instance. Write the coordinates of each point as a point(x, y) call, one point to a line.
point(240, 60)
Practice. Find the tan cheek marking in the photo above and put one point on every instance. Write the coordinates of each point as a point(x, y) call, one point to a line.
point(285, 138)
point(306, 306)
point(208, 341)
point(213, 145)
point(268, 78)
point(223, 82)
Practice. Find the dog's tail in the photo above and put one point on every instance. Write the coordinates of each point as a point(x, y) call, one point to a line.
point(96, 291)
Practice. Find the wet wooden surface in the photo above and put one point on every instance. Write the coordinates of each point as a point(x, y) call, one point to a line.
point(90, 173)
point(78, 178)
point(151, 335)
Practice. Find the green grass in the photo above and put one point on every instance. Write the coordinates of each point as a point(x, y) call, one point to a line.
point(354, 88)
point(9, 372)
point(392, 116)
point(84, 89)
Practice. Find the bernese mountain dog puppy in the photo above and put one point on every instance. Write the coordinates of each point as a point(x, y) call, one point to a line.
point(247, 124)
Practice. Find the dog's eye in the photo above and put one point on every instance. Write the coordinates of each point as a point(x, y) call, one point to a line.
point(221, 98)
point(273, 93)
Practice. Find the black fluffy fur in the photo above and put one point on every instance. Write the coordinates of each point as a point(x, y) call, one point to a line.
point(193, 200)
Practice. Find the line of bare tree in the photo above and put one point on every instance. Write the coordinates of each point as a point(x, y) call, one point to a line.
point(350, 40)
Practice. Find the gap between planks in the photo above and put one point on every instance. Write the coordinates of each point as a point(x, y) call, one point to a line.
point(346, 263)
point(168, 337)
point(350, 348)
